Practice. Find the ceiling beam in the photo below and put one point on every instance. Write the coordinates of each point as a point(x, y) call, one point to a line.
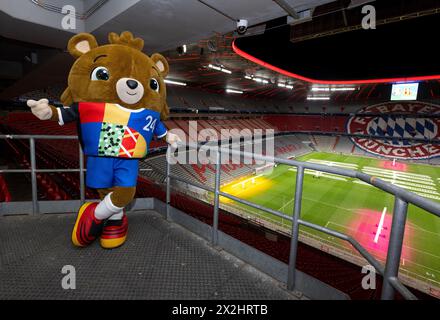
point(288, 8)
point(217, 10)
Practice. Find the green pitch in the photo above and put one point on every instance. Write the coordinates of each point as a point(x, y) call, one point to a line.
point(351, 207)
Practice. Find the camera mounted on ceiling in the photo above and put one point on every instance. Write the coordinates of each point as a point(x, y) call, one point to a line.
point(242, 26)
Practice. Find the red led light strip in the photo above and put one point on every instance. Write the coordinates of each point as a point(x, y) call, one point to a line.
point(297, 76)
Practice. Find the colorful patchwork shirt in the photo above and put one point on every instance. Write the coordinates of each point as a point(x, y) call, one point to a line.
point(110, 130)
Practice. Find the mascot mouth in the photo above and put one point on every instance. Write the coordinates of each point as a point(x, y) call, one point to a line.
point(129, 95)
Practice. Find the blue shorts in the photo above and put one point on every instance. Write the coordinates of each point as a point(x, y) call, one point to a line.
point(105, 172)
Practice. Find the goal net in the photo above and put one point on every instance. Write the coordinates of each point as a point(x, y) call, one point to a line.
point(265, 168)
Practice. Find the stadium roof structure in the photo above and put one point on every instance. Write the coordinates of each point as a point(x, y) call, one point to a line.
point(209, 41)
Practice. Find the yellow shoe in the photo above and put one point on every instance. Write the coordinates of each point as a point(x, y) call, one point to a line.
point(87, 228)
point(114, 233)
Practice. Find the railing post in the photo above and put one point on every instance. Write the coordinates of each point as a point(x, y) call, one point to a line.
point(394, 247)
point(295, 229)
point(35, 208)
point(168, 181)
point(82, 189)
point(214, 238)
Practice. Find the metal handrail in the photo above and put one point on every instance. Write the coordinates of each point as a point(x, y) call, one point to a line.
point(402, 198)
point(33, 170)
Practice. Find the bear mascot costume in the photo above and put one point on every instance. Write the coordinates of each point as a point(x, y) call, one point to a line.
point(116, 94)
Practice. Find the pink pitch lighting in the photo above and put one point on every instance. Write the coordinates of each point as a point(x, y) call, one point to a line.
point(398, 166)
point(365, 227)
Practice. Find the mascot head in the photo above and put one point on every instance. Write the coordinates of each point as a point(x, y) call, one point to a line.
point(118, 72)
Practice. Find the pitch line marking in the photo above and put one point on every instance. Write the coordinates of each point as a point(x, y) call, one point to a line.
point(345, 209)
point(363, 183)
point(400, 178)
point(341, 247)
point(286, 204)
point(423, 192)
point(380, 226)
point(335, 164)
point(397, 177)
point(417, 227)
point(404, 245)
point(318, 173)
point(423, 266)
point(337, 245)
point(402, 173)
point(408, 261)
point(240, 183)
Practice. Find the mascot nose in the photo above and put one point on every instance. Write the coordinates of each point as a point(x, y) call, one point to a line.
point(132, 84)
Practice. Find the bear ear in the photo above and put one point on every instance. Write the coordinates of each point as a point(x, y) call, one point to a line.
point(81, 44)
point(161, 64)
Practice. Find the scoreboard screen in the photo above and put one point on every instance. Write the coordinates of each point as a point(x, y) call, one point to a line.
point(404, 91)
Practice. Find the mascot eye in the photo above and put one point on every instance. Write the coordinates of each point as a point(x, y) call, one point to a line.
point(154, 85)
point(100, 73)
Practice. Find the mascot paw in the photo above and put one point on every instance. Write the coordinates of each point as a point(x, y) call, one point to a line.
point(87, 227)
point(114, 233)
point(40, 108)
point(173, 139)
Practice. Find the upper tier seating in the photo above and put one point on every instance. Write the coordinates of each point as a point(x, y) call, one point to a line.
point(51, 93)
point(67, 150)
point(203, 129)
point(285, 147)
point(307, 123)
